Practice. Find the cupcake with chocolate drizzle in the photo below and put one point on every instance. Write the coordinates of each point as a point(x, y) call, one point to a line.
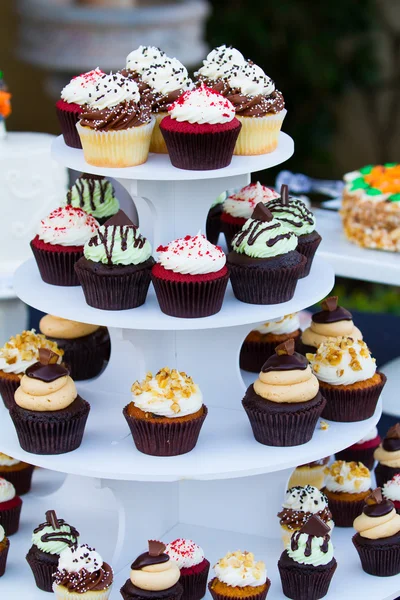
point(388, 456)
point(154, 576)
point(115, 269)
point(264, 265)
point(284, 403)
point(49, 540)
point(377, 540)
point(49, 416)
point(307, 566)
point(95, 195)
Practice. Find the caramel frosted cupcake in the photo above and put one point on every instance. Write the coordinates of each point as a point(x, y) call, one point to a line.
point(166, 413)
point(261, 342)
point(10, 507)
point(312, 473)
point(362, 451)
point(238, 575)
point(4, 547)
point(284, 403)
point(377, 540)
point(346, 487)
point(19, 353)
point(16, 472)
point(388, 456)
point(348, 379)
point(193, 566)
point(95, 195)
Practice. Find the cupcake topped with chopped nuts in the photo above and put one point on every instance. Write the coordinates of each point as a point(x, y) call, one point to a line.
point(239, 570)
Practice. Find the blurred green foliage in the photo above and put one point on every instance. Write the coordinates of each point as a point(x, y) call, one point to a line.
point(368, 297)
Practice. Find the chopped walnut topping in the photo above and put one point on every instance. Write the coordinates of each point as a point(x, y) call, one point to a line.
point(324, 425)
point(244, 561)
point(331, 353)
point(169, 384)
point(338, 470)
point(25, 346)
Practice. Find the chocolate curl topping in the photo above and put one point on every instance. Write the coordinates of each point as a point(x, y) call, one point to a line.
point(48, 357)
point(262, 213)
point(375, 497)
point(119, 219)
point(90, 176)
point(394, 432)
point(284, 194)
point(330, 303)
point(315, 527)
point(156, 548)
point(285, 348)
point(52, 520)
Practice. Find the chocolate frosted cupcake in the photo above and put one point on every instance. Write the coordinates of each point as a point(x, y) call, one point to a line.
point(388, 456)
point(307, 566)
point(348, 379)
point(4, 548)
point(391, 491)
point(84, 345)
point(238, 575)
point(377, 540)
point(190, 278)
point(213, 221)
point(115, 269)
point(95, 195)
point(362, 451)
point(115, 128)
point(154, 576)
point(284, 403)
point(81, 573)
point(10, 507)
point(49, 540)
point(299, 505)
point(264, 265)
point(333, 321)
point(16, 472)
point(261, 342)
point(19, 353)
point(346, 487)
point(166, 414)
point(48, 414)
point(312, 473)
point(193, 566)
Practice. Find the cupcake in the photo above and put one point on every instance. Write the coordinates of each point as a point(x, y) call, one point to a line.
point(16, 472)
point(48, 414)
point(332, 322)
point(297, 218)
point(391, 491)
point(82, 574)
point(49, 540)
point(95, 195)
point(4, 547)
point(190, 277)
point(264, 265)
point(347, 484)
point(200, 130)
point(307, 566)
point(219, 63)
point(19, 353)
point(194, 567)
point(299, 505)
point(74, 97)
point(139, 60)
point(238, 575)
point(377, 540)
point(362, 451)
point(239, 206)
point(388, 456)
point(312, 473)
point(116, 127)
point(348, 379)
point(115, 269)
point(59, 243)
point(284, 403)
point(154, 576)
point(213, 221)
point(10, 507)
point(261, 342)
point(166, 413)
point(84, 345)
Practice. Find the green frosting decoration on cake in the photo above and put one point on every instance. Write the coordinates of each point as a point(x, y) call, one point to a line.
point(264, 239)
point(118, 245)
point(95, 195)
point(394, 198)
point(367, 169)
point(373, 192)
point(358, 184)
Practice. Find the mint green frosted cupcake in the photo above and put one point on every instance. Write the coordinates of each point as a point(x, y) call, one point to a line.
point(95, 195)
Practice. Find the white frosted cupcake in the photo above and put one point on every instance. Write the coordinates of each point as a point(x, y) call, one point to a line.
point(193, 565)
point(239, 575)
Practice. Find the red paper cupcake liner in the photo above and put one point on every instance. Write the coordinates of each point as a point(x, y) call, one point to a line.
point(259, 596)
point(254, 354)
point(306, 583)
point(9, 517)
point(308, 249)
point(345, 511)
point(46, 435)
point(43, 572)
point(195, 584)
point(350, 405)
point(190, 299)
point(68, 121)
point(381, 560)
point(230, 230)
point(383, 473)
point(21, 479)
point(57, 268)
point(8, 387)
point(3, 558)
point(165, 439)
point(365, 456)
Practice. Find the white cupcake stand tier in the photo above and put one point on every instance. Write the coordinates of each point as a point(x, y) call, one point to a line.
point(224, 494)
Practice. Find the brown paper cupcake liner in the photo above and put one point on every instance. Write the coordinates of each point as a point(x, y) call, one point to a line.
point(213, 224)
point(165, 439)
point(190, 299)
point(381, 560)
point(21, 479)
point(259, 596)
point(57, 268)
point(130, 592)
point(68, 121)
point(8, 387)
point(254, 354)
point(304, 349)
point(230, 230)
point(43, 572)
point(195, 584)
point(46, 435)
point(3, 558)
point(9, 519)
point(365, 456)
point(308, 249)
point(350, 405)
point(383, 473)
point(345, 511)
point(84, 356)
point(306, 583)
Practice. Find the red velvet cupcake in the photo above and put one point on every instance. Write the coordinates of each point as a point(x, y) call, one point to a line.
point(10, 507)
point(201, 130)
point(391, 491)
point(362, 451)
point(190, 278)
point(59, 244)
point(194, 567)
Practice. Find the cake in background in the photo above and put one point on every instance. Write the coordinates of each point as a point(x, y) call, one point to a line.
point(312, 473)
point(16, 472)
point(388, 456)
point(239, 575)
point(10, 507)
point(95, 195)
point(362, 451)
point(193, 566)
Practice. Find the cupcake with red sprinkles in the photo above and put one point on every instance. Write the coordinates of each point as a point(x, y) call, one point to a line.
point(193, 565)
point(10, 507)
point(59, 244)
point(201, 130)
point(391, 491)
point(190, 277)
point(74, 97)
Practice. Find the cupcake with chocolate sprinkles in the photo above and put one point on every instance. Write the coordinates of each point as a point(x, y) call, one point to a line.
point(95, 195)
point(388, 456)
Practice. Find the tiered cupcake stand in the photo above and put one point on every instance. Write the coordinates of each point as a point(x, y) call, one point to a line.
point(226, 493)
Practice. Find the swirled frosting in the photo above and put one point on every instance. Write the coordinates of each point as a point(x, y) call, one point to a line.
point(142, 58)
point(333, 321)
point(7, 490)
point(80, 89)
point(118, 245)
point(112, 89)
point(82, 570)
point(239, 569)
point(379, 518)
point(169, 393)
point(185, 553)
point(154, 570)
point(300, 504)
point(191, 256)
point(281, 326)
point(55, 540)
point(95, 195)
point(371, 435)
point(220, 62)
point(167, 75)
point(8, 461)
point(295, 215)
point(65, 329)
point(55, 390)
point(22, 351)
point(2, 534)
point(347, 477)
point(310, 550)
point(388, 453)
point(250, 80)
point(242, 203)
point(202, 105)
point(260, 239)
point(67, 226)
point(391, 489)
